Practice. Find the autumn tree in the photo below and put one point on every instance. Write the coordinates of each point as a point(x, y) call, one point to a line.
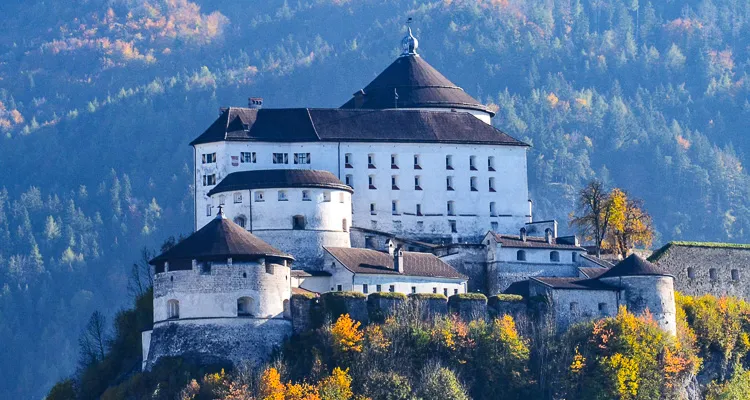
point(629, 224)
point(593, 213)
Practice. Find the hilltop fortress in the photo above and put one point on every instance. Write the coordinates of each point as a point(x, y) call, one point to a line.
point(406, 188)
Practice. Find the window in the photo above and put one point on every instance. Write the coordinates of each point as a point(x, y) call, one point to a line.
point(259, 196)
point(237, 198)
point(209, 158)
point(554, 256)
point(342, 197)
point(209, 208)
point(282, 195)
point(339, 288)
point(280, 158)
point(419, 209)
point(712, 274)
point(492, 184)
point(269, 268)
point(394, 207)
point(173, 309)
point(494, 226)
point(247, 157)
point(378, 288)
point(209, 180)
point(445, 292)
point(449, 183)
point(348, 160)
point(434, 290)
point(473, 163)
point(490, 163)
point(306, 195)
point(521, 255)
point(371, 181)
point(240, 221)
point(455, 291)
point(394, 182)
point(392, 288)
point(417, 183)
point(735, 275)
point(473, 184)
point(574, 257)
point(372, 209)
point(371, 161)
point(417, 165)
point(364, 288)
point(603, 308)
point(345, 225)
point(493, 211)
point(326, 196)
point(302, 158)
point(448, 162)
point(414, 289)
point(451, 207)
point(394, 161)
point(205, 268)
point(452, 225)
point(298, 222)
point(222, 200)
point(349, 180)
point(244, 306)
point(573, 306)
point(691, 272)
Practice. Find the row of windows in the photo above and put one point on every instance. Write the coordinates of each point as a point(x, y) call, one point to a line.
point(473, 185)
point(713, 274)
point(392, 288)
point(349, 162)
point(281, 196)
point(554, 256)
point(245, 307)
point(250, 157)
point(450, 208)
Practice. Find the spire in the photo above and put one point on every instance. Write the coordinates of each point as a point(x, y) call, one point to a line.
point(409, 43)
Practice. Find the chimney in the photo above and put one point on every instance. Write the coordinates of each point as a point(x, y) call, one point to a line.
point(398, 260)
point(359, 98)
point(548, 235)
point(523, 234)
point(255, 102)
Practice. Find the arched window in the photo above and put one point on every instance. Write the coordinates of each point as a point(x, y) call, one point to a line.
point(298, 222)
point(554, 256)
point(521, 255)
point(173, 309)
point(245, 306)
point(240, 220)
point(691, 272)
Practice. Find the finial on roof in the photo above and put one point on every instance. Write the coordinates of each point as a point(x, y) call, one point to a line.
point(220, 214)
point(409, 44)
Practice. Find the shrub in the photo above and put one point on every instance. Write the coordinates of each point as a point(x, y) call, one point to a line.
point(347, 337)
point(342, 295)
point(63, 390)
point(388, 386)
point(427, 296)
point(305, 296)
point(507, 298)
point(388, 295)
point(440, 383)
point(468, 297)
point(736, 388)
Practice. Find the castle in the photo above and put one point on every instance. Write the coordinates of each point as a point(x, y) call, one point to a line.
point(406, 188)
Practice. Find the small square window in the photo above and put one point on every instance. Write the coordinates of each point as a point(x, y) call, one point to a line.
point(392, 288)
point(448, 162)
point(259, 196)
point(326, 196)
point(302, 158)
point(378, 288)
point(365, 289)
point(372, 209)
point(394, 207)
point(209, 180)
point(452, 224)
point(394, 161)
point(417, 183)
point(449, 183)
point(414, 289)
point(209, 209)
point(445, 292)
point(455, 291)
point(394, 182)
point(371, 161)
point(348, 160)
point(473, 163)
point(371, 182)
point(434, 290)
point(473, 184)
point(339, 288)
point(209, 158)
point(451, 208)
point(342, 197)
point(349, 180)
point(492, 184)
point(490, 163)
point(419, 209)
point(306, 195)
point(282, 195)
point(247, 157)
point(222, 200)
point(238, 198)
point(417, 164)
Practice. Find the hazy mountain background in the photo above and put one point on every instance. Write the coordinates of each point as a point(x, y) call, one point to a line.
point(99, 98)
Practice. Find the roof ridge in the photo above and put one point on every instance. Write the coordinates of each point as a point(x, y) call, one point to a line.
point(312, 123)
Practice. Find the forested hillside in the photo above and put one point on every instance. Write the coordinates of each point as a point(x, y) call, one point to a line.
point(99, 98)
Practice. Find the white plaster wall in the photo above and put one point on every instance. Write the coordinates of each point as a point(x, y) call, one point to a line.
point(215, 294)
point(533, 256)
point(471, 208)
point(317, 284)
point(145, 346)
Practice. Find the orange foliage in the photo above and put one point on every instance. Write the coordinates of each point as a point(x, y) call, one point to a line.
point(346, 334)
point(271, 387)
point(682, 142)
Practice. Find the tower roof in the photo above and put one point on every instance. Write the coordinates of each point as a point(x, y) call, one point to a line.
point(410, 82)
point(279, 178)
point(220, 238)
point(634, 265)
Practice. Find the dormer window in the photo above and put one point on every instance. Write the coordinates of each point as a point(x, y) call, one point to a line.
point(449, 162)
point(394, 161)
point(490, 163)
point(473, 163)
point(473, 184)
point(417, 183)
point(492, 184)
point(209, 158)
point(371, 161)
point(348, 160)
point(394, 182)
point(417, 165)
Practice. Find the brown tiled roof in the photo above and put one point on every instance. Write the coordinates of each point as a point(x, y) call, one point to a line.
point(301, 273)
point(634, 265)
point(299, 290)
point(279, 178)
point(533, 242)
point(338, 125)
point(592, 272)
point(367, 261)
point(220, 238)
point(574, 283)
point(418, 85)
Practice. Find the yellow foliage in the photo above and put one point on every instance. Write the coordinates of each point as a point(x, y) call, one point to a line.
point(301, 391)
point(271, 387)
point(552, 99)
point(506, 333)
point(376, 338)
point(346, 334)
point(579, 361)
point(626, 372)
point(337, 386)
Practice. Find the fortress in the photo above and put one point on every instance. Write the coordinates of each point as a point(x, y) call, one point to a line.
point(406, 188)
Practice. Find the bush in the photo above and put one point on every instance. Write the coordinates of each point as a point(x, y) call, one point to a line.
point(388, 295)
point(507, 298)
point(468, 297)
point(427, 296)
point(440, 383)
point(342, 295)
point(305, 296)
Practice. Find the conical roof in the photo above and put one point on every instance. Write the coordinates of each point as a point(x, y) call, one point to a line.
point(220, 238)
point(634, 265)
point(410, 82)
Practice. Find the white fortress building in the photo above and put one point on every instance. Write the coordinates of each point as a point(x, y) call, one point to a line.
point(406, 188)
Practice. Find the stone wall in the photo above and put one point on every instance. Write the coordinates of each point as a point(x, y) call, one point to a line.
point(468, 307)
point(470, 260)
point(218, 340)
point(652, 293)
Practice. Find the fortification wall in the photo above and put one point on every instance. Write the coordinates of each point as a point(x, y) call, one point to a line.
point(470, 260)
point(649, 292)
point(305, 245)
point(503, 274)
point(218, 340)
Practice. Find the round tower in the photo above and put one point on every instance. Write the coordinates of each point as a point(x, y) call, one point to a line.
point(644, 287)
point(219, 295)
point(297, 210)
